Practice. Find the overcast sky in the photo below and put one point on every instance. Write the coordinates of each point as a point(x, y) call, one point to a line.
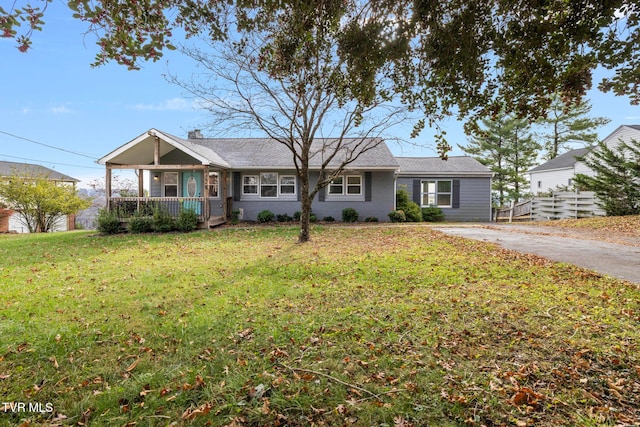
point(52, 96)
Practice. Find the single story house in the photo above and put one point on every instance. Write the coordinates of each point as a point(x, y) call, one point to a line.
point(460, 186)
point(11, 222)
point(560, 171)
point(216, 176)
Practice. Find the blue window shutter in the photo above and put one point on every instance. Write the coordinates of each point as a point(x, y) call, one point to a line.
point(455, 197)
point(237, 186)
point(323, 191)
point(416, 191)
point(367, 186)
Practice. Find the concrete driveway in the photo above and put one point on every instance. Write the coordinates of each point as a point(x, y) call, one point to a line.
point(616, 260)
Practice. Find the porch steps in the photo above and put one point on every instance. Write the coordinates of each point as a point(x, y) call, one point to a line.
point(215, 221)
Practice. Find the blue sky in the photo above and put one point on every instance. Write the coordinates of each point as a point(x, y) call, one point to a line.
point(51, 95)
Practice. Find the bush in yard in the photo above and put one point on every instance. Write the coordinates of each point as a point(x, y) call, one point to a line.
point(265, 216)
point(140, 223)
point(432, 214)
point(411, 209)
point(163, 222)
point(328, 219)
point(108, 222)
point(187, 220)
point(397, 216)
point(235, 217)
point(284, 218)
point(349, 215)
point(371, 219)
point(313, 217)
point(296, 215)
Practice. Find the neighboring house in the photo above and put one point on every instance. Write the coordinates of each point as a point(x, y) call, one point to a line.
point(460, 186)
point(14, 223)
point(558, 173)
point(218, 176)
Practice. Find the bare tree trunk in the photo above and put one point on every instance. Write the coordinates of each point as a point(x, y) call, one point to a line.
point(305, 205)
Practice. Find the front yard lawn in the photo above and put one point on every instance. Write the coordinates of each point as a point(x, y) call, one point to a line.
point(388, 326)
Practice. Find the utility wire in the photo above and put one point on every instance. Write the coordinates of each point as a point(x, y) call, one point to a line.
point(49, 146)
point(51, 163)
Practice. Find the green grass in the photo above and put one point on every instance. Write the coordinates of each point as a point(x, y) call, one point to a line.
point(361, 326)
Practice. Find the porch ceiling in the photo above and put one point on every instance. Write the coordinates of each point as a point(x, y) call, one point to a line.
point(141, 153)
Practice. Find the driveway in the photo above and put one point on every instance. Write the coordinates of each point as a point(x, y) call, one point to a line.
point(620, 260)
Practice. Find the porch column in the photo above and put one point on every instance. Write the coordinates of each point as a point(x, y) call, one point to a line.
point(107, 189)
point(140, 187)
point(205, 178)
point(224, 177)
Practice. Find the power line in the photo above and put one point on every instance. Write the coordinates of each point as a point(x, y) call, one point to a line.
point(50, 162)
point(92, 157)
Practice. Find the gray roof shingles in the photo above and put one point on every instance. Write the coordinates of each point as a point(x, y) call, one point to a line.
point(454, 164)
point(269, 153)
point(563, 161)
point(28, 169)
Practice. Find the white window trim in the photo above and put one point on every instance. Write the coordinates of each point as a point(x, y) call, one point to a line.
point(345, 186)
point(257, 193)
point(295, 191)
point(209, 184)
point(436, 181)
point(164, 183)
point(276, 185)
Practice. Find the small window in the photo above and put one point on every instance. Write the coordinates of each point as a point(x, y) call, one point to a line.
point(214, 184)
point(249, 184)
point(269, 184)
point(570, 182)
point(539, 184)
point(171, 184)
point(436, 193)
point(287, 184)
point(336, 185)
point(354, 185)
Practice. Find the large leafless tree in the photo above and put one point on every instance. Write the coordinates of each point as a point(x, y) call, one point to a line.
point(307, 104)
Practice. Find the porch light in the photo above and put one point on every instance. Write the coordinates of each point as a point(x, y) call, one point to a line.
point(156, 177)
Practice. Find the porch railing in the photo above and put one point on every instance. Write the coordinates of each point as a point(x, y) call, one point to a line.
point(127, 207)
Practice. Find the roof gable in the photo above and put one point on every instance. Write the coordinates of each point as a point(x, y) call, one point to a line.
point(32, 170)
point(253, 153)
point(566, 160)
point(141, 150)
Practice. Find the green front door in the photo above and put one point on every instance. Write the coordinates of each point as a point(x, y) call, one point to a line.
point(192, 187)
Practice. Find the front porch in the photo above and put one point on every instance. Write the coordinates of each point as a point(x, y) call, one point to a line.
point(170, 180)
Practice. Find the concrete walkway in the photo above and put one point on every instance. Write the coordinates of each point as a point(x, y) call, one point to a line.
point(616, 260)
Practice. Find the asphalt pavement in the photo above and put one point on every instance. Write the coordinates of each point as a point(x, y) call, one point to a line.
point(616, 260)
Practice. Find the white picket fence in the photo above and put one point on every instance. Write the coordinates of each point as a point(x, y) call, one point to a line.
point(562, 205)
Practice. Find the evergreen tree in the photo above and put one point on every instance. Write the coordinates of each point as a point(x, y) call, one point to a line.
point(505, 145)
point(521, 155)
point(567, 126)
point(617, 179)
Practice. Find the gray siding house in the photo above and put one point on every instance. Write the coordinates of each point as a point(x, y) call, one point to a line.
point(460, 186)
point(216, 176)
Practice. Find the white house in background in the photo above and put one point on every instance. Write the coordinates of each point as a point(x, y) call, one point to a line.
point(13, 223)
point(559, 172)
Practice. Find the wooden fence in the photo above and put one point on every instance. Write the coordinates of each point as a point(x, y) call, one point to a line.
point(561, 205)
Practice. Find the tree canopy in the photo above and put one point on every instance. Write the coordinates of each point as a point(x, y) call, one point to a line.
point(455, 57)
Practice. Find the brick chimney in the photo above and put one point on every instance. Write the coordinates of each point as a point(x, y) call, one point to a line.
point(195, 134)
